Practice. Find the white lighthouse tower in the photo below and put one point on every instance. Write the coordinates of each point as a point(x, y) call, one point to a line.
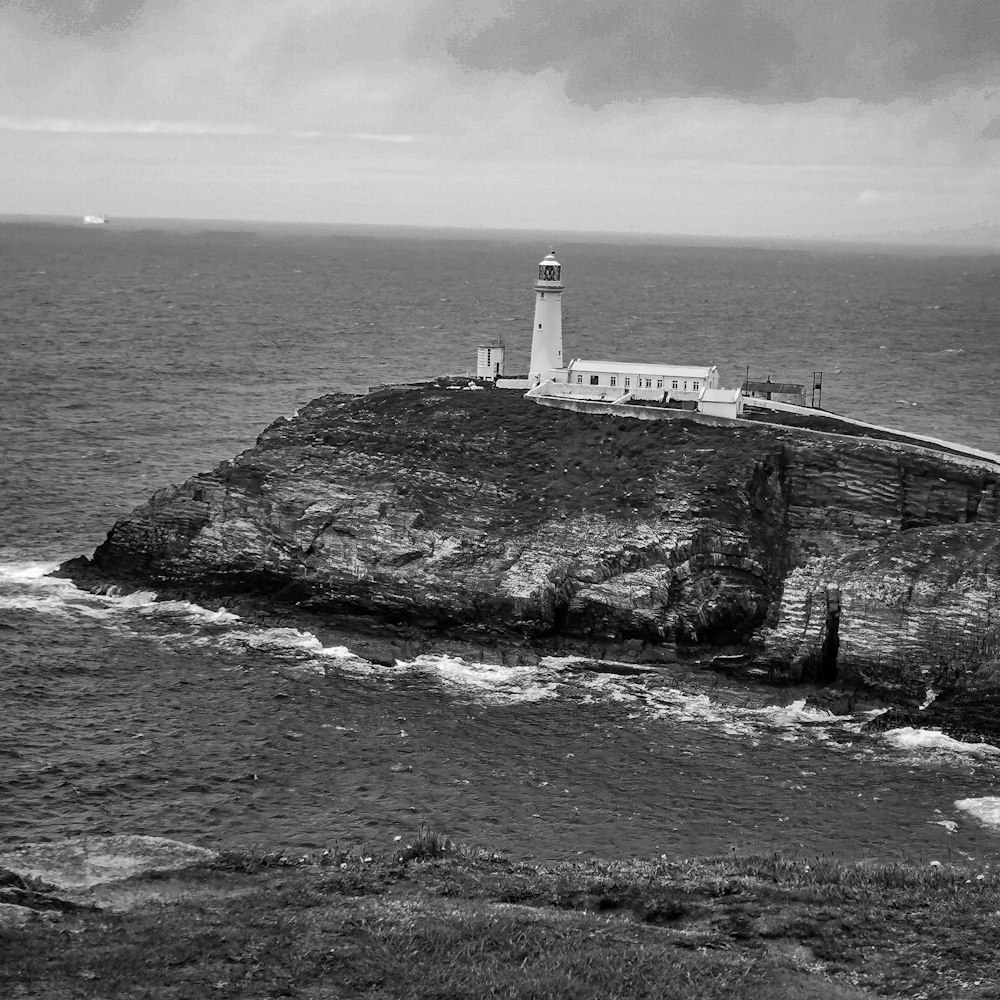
point(546, 337)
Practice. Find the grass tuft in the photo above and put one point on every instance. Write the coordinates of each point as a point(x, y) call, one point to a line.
point(428, 843)
point(252, 860)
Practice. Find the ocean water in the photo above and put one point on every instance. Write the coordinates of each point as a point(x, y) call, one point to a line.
point(135, 355)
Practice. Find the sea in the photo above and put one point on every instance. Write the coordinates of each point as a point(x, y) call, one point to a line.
point(136, 354)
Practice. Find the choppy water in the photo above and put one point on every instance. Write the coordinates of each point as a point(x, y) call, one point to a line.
point(136, 357)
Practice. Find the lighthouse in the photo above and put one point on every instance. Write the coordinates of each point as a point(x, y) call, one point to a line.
point(546, 337)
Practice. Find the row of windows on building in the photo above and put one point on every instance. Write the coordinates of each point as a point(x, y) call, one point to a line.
point(674, 383)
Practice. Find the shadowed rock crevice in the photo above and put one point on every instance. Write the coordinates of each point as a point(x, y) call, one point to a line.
point(827, 672)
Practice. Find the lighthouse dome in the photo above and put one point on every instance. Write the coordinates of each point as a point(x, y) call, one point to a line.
point(549, 269)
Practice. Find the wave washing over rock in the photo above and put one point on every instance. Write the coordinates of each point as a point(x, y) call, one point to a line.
point(433, 521)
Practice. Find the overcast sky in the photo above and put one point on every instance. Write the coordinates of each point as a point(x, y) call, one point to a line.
point(838, 118)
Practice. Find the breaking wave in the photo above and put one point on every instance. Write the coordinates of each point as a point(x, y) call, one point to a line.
point(789, 722)
point(936, 742)
point(650, 694)
point(24, 572)
point(279, 640)
point(27, 586)
point(487, 682)
point(187, 610)
point(137, 599)
point(985, 809)
point(30, 587)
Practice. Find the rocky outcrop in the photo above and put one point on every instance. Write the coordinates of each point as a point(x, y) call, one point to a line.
point(479, 515)
point(920, 606)
point(43, 881)
point(83, 862)
point(893, 568)
point(22, 900)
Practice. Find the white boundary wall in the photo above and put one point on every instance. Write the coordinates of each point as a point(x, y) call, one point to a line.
point(580, 404)
point(914, 442)
point(961, 449)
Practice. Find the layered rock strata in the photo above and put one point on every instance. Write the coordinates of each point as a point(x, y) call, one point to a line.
point(481, 516)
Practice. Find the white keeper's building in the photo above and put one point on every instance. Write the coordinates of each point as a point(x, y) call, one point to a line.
point(644, 380)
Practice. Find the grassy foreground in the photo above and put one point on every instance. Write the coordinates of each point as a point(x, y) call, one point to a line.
point(436, 921)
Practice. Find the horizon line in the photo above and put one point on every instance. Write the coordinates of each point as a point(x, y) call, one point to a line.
point(949, 239)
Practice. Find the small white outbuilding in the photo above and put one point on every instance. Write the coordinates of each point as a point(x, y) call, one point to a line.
point(490, 360)
point(721, 403)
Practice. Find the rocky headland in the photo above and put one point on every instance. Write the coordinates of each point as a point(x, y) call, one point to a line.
point(422, 517)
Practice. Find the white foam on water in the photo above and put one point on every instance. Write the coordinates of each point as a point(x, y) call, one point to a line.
point(346, 662)
point(788, 723)
point(144, 603)
point(632, 689)
point(857, 722)
point(796, 718)
point(49, 604)
point(137, 599)
point(32, 589)
point(489, 682)
point(949, 824)
point(796, 713)
point(289, 640)
point(934, 741)
point(615, 693)
point(35, 590)
point(192, 612)
point(340, 652)
point(289, 644)
point(172, 639)
point(669, 703)
point(27, 572)
point(871, 713)
point(732, 721)
point(986, 810)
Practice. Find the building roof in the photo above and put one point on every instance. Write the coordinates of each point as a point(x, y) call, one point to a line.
point(791, 388)
point(652, 368)
point(720, 395)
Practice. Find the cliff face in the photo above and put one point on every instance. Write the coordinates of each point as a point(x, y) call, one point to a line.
point(894, 580)
point(479, 514)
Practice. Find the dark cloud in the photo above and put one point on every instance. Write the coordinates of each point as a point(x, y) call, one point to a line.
point(948, 37)
point(759, 50)
point(83, 17)
point(992, 131)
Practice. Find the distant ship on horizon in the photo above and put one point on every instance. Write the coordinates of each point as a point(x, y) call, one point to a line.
point(95, 220)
